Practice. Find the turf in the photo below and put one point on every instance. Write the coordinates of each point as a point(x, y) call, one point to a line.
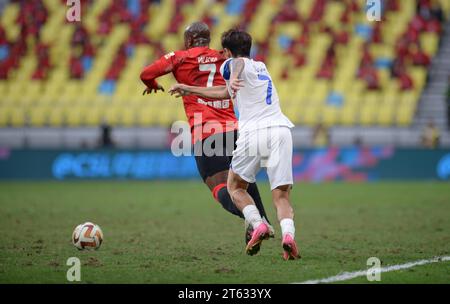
point(174, 232)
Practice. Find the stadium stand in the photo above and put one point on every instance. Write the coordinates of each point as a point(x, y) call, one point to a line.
point(331, 65)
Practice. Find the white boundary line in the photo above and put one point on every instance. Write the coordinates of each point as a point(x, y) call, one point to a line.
point(361, 273)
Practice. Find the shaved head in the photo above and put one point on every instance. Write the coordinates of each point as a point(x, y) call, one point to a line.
point(196, 34)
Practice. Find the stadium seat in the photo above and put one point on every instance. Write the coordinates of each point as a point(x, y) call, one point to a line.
point(404, 115)
point(38, 116)
point(348, 116)
point(56, 117)
point(66, 66)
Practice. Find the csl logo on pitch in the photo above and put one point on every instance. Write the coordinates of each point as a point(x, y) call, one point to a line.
point(373, 10)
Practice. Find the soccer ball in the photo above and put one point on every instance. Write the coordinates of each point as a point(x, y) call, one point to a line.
point(87, 236)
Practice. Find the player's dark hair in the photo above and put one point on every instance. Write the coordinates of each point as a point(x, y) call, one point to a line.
point(239, 42)
point(197, 34)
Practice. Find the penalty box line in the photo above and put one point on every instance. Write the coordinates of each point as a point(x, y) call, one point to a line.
point(361, 273)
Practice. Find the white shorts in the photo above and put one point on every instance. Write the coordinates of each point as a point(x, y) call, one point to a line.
point(268, 147)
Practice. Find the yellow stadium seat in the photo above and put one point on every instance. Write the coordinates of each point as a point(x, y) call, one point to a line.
point(128, 117)
point(367, 115)
point(391, 97)
point(112, 115)
point(180, 115)
point(165, 116)
point(38, 116)
point(310, 116)
point(348, 116)
point(145, 117)
point(292, 112)
point(4, 116)
point(386, 115)
point(405, 115)
point(419, 75)
point(3, 90)
point(429, 43)
point(409, 98)
point(372, 99)
point(329, 116)
point(18, 117)
point(56, 117)
point(74, 116)
point(93, 116)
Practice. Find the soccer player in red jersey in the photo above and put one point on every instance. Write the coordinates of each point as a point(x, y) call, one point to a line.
point(198, 65)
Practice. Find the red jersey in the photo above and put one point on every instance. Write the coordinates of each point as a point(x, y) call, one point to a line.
point(199, 66)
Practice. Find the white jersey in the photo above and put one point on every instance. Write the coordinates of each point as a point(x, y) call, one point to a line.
point(257, 102)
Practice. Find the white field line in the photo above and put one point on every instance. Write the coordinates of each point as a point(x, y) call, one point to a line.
point(361, 273)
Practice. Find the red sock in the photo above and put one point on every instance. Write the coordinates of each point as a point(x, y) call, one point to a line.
point(216, 190)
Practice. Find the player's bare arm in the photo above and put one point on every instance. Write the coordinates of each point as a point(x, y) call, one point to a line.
point(236, 82)
point(217, 92)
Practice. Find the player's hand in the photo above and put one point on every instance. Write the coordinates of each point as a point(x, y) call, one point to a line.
point(155, 89)
point(236, 85)
point(179, 90)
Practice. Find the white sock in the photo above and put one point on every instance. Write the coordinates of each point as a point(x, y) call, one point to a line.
point(287, 226)
point(252, 215)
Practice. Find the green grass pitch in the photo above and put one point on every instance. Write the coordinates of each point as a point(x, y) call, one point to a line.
point(174, 232)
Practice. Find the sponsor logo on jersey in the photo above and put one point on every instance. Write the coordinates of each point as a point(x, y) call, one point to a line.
point(218, 104)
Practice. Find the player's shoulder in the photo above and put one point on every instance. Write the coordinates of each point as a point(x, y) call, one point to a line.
point(219, 54)
point(252, 62)
point(178, 54)
point(225, 68)
point(175, 56)
point(254, 65)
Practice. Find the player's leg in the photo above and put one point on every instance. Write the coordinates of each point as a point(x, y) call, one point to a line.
point(230, 140)
point(254, 193)
point(285, 213)
point(213, 169)
point(237, 187)
point(279, 171)
point(214, 172)
point(243, 170)
point(218, 186)
point(217, 183)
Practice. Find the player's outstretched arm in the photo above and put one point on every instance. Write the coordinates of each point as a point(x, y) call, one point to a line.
point(217, 92)
point(148, 77)
point(160, 67)
point(156, 87)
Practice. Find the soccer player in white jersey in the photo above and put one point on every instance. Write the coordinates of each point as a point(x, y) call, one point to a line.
point(265, 138)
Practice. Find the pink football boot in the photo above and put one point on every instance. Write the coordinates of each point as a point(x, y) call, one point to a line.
point(290, 248)
point(259, 234)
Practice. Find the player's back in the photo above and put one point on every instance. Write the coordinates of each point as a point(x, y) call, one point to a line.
point(257, 101)
point(200, 66)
